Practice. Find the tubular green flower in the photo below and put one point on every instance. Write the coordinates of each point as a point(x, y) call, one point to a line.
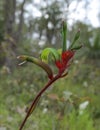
point(77, 35)
point(64, 35)
point(38, 62)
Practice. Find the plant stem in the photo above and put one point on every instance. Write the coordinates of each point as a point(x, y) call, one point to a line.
point(35, 101)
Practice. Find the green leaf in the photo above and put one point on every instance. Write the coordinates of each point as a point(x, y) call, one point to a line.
point(46, 52)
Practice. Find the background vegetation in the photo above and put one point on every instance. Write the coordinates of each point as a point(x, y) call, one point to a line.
point(71, 103)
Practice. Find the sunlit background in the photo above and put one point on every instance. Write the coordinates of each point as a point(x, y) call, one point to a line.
point(27, 27)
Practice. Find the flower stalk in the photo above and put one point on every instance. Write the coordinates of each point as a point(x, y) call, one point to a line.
point(35, 101)
point(61, 61)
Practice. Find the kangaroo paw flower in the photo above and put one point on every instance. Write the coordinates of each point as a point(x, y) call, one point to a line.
point(38, 62)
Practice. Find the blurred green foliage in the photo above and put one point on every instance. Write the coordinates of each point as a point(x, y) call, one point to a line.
point(59, 106)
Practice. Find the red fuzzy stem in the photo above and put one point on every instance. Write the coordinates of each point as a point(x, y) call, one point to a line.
point(36, 99)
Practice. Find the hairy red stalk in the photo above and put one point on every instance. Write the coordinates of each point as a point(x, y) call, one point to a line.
point(37, 98)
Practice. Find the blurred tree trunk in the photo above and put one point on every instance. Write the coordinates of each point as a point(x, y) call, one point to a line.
point(12, 31)
point(9, 11)
point(21, 22)
point(9, 23)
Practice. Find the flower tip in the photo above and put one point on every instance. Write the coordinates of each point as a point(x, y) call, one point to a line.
point(22, 57)
point(18, 57)
point(22, 63)
point(63, 20)
point(79, 30)
point(82, 45)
